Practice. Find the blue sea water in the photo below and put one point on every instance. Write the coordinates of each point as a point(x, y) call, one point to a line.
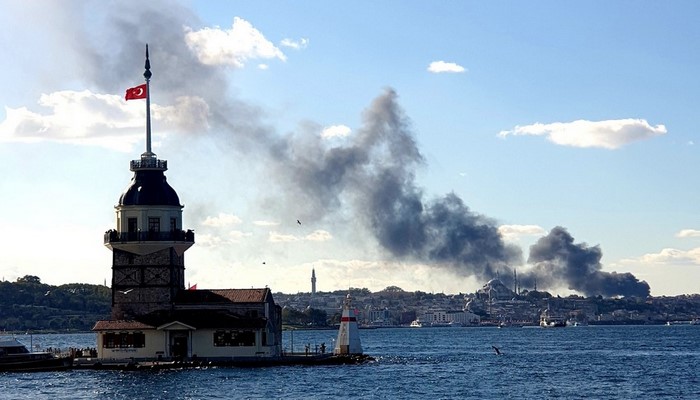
point(593, 362)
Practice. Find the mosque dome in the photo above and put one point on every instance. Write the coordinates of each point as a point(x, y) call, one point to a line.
point(149, 188)
point(495, 290)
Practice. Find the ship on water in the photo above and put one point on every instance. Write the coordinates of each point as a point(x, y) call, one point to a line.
point(550, 319)
point(15, 357)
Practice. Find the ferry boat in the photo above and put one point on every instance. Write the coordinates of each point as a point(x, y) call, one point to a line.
point(550, 320)
point(14, 356)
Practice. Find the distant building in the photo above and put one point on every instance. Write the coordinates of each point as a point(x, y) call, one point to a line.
point(153, 315)
point(439, 317)
point(378, 316)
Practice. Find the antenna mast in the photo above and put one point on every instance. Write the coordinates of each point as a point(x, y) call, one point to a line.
point(147, 74)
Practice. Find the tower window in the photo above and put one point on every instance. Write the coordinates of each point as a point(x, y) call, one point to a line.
point(153, 228)
point(173, 224)
point(132, 228)
point(154, 224)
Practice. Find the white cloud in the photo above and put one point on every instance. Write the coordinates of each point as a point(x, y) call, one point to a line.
point(236, 236)
point(514, 232)
point(610, 134)
point(207, 240)
point(235, 46)
point(686, 233)
point(335, 131)
point(278, 237)
point(265, 223)
point(93, 119)
point(319, 236)
point(222, 219)
point(438, 67)
point(315, 236)
point(668, 256)
point(295, 44)
point(78, 118)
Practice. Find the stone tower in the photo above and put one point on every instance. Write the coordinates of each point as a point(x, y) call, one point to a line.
point(148, 245)
point(313, 281)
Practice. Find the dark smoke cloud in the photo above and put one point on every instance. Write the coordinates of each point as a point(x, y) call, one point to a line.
point(366, 180)
point(556, 258)
point(374, 171)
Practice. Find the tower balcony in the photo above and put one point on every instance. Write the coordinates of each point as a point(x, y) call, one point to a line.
point(112, 236)
point(148, 162)
point(147, 242)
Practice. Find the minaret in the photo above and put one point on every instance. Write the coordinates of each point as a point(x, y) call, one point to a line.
point(313, 281)
point(149, 243)
point(348, 334)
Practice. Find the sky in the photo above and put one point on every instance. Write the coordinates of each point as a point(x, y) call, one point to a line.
point(427, 145)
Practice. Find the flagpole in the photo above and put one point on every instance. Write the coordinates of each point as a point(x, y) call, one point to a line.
point(147, 75)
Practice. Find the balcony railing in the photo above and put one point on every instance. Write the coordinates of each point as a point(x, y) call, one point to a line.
point(148, 163)
point(112, 236)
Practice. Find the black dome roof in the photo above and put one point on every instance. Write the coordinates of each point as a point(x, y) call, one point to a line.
point(149, 188)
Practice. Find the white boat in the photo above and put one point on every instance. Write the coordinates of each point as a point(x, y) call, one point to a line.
point(416, 324)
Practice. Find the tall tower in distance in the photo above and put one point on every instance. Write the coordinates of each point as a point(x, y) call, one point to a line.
point(148, 244)
point(313, 281)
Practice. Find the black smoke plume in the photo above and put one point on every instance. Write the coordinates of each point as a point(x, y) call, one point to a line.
point(375, 172)
point(556, 258)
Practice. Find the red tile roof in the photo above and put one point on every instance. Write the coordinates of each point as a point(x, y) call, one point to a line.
point(120, 325)
point(198, 319)
point(222, 296)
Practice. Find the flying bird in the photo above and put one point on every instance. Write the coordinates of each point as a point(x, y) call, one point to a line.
point(125, 291)
point(498, 352)
point(298, 222)
point(47, 293)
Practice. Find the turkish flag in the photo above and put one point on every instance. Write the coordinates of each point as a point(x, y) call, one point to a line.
point(138, 92)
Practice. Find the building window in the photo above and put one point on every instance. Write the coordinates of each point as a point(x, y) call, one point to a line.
point(112, 340)
point(132, 228)
point(234, 338)
point(173, 224)
point(153, 228)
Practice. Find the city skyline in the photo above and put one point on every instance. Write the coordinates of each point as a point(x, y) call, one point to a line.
point(425, 146)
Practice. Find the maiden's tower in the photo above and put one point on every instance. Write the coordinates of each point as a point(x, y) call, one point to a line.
point(154, 316)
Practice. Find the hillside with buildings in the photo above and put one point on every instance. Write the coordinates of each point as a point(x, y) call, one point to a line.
point(29, 304)
point(492, 305)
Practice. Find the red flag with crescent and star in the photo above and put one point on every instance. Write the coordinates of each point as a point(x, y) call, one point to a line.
point(138, 92)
